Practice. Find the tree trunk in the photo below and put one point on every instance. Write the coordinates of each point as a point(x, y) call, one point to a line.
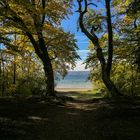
point(42, 52)
point(47, 66)
point(14, 71)
point(137, 51)
point(107, 71)
point(105, 75)
point(3, 76)
point(49, 75)
point(110, 37)
point(0, 72)
point(110, 85)
point(105, 66)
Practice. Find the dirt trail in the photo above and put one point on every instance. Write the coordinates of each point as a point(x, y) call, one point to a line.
point(95, 119)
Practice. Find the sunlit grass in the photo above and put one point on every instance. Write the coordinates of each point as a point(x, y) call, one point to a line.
point(83, 95)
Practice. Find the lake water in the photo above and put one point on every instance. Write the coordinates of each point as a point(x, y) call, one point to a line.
point(74, 80)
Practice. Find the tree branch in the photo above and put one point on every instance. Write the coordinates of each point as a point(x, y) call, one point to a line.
point(53, 58)
point(92, 4)
point(43, 16)
point(92, 36)
point(15, 18)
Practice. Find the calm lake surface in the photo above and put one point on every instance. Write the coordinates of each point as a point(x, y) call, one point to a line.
point(74, 80)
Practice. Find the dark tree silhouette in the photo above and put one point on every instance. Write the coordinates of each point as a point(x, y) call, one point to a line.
point(105, 66)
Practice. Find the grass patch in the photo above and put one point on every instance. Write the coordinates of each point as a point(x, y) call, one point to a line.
point(82, 95)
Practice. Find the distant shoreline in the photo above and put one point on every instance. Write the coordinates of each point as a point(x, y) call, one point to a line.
point(74, 81)
point(73, 89)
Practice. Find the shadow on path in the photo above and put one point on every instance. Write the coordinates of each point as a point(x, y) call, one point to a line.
point(101, 119)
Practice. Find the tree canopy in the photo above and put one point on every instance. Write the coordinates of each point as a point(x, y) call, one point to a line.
point(35, 24)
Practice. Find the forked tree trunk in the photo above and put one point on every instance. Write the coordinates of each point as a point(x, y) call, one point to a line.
point(105, 74)
point(110, 85)
point(105, 66)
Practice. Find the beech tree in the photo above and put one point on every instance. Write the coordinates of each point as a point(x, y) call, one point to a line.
point(90, 32)
point(40, 20)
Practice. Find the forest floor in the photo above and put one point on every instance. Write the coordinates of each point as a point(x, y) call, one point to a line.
point(33, 118)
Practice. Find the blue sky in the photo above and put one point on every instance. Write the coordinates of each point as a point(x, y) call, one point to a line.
point(72, 26)
point(82, 41)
